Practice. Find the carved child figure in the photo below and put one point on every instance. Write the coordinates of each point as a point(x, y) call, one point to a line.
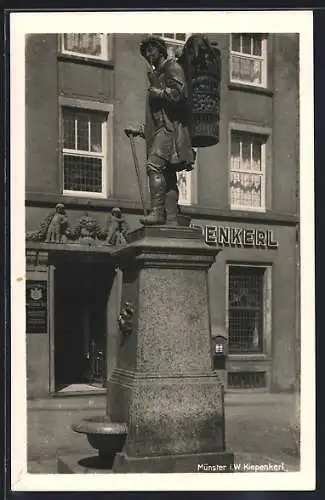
point(57, 225)
point(117, 228)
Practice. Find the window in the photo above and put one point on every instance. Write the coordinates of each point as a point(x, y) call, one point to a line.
point(174, 41)
point(186, 181)
point(84, 151)
point(247, 171)
point(246, 290)
point(248, 59)
point(90, 45)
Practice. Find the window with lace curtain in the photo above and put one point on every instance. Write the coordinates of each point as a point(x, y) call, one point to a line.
point(88, 45)
point(186, 182)
point(248, 59)
point(247, 171)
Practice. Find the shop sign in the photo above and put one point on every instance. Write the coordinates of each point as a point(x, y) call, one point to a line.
point(36, 306)
point(238, 237)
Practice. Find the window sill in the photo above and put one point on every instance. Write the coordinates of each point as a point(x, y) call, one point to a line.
point(82, 194)
point(245, 390)
point(253, 89)
point(246, 209)
point(249, 357)
point(81, 392)
point(268, 216)
point(86, 60)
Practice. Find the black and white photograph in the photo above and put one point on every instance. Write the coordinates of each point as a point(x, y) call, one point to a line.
point(162, 251)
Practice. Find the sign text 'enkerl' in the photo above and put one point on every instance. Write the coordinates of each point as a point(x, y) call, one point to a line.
point(239, 237)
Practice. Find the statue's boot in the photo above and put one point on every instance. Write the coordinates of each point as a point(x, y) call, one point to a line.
point(172, 207)
point(172, 195)
point(157, 185)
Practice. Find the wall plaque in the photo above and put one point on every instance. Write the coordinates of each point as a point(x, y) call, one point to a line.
point(36, 306)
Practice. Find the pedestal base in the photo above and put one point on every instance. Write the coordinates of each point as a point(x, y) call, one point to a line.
point(178, 415)
point(200, 462)
point(81, 464)
point(164, 386)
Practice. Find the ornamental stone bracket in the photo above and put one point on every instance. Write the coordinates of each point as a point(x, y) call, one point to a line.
point(55, 228)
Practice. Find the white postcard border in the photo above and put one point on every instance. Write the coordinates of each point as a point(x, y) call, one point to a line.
point(143, 22)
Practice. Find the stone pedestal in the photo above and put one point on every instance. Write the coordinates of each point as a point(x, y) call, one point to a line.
point(164, 386)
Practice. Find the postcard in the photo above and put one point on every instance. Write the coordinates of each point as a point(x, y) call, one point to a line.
point(162, 248)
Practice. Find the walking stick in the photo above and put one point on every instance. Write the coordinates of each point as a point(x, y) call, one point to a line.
point(137, 169)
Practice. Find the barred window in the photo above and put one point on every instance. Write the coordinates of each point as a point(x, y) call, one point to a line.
point(246, 380)
point(91, 45)
point(245, 309)
point(174, 41)
point(84, 151)
point(248, 59)
point(247, 171)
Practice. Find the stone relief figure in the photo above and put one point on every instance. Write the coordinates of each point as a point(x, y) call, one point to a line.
point(40, 233)
point(169, 148)
point(53, 228)
point(58, 225)
point(125, 318)
point(117, 228)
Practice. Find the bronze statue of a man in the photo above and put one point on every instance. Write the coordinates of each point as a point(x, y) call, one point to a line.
point(169, 148)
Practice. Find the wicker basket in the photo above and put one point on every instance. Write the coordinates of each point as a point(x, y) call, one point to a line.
point(205, 110)
point(201, 62)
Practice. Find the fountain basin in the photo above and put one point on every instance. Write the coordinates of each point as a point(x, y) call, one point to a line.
point(105, 436)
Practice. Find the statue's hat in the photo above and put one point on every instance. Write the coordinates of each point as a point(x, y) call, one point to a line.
point(154, 40)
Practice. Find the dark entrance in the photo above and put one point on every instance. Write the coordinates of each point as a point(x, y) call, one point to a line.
point(81, 298)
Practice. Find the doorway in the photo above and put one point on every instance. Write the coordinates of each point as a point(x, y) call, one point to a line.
point(81, 293)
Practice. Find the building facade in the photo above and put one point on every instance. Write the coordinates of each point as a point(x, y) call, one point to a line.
point(82, 90)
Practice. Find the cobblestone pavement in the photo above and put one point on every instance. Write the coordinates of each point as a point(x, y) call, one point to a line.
point(257, 429)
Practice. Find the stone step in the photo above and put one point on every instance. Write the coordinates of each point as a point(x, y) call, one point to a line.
point(98, 401)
